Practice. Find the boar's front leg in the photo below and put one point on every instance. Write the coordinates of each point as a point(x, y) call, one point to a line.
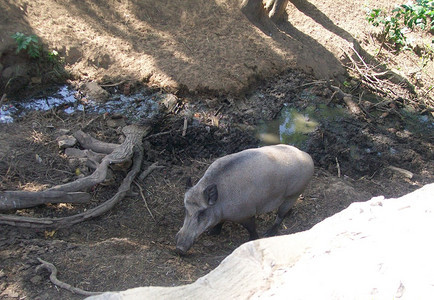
point(282, 212)
point(250, 225)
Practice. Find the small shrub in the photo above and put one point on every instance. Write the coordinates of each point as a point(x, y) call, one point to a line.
point(48, 64)
point(28, 43)
point(420, 14)
point(406, 17)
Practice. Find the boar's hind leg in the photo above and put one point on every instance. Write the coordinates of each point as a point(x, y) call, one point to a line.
point(250, 225)
point(281, 214)
point(216, 229)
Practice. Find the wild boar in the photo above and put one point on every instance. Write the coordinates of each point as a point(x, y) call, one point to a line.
point(239, 186)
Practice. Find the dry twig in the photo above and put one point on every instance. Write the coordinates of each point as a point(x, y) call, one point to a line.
point(112, 84)
point(338, 167)
point(366, 72)
point(144, 200)
point(162, 133)
point(184, 130)
point(2, 99)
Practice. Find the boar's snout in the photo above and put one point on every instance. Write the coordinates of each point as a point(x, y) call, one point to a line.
point(180, 250)
point(183, 243)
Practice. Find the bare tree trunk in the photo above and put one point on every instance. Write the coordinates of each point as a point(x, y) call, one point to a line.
point(276, 10)
point(255, 10)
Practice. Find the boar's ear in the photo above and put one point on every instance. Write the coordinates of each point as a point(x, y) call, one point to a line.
point(211, 194)
point(188, 183)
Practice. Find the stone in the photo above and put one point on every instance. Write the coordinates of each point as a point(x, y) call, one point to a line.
point(66, 141)
point(94, 92)
point(379, 249)
point(169, 101)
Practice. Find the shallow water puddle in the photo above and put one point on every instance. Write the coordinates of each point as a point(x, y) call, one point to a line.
point(135, 107)
point(293, 126)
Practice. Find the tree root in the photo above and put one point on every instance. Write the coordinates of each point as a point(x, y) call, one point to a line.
point(18, 199)
point(53, 278)
point(89, 142)
point(131, 148)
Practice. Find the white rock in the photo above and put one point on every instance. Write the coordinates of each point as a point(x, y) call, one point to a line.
point(379, 249)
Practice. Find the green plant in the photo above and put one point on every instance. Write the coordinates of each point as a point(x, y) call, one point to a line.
point(403, 18)
point(347, 84)
point(53, 56)
point(391, 26)
point(420, 14)
point(28, 43)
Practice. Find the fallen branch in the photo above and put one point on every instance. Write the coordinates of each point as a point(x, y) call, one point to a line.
point(53, 278)
point(364, 72)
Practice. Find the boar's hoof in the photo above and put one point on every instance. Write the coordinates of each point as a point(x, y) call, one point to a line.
point(271, 232)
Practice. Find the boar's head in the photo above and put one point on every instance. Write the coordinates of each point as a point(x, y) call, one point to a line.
point(200, 215)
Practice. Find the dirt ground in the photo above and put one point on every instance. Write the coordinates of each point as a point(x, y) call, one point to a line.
point(230, 75)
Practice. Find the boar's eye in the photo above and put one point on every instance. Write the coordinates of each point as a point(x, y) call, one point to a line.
point(201, 215)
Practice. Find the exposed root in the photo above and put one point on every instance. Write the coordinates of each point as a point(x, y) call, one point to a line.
point(53, 278)
point(131, 148)
point(91, 143)
point(18, 199)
